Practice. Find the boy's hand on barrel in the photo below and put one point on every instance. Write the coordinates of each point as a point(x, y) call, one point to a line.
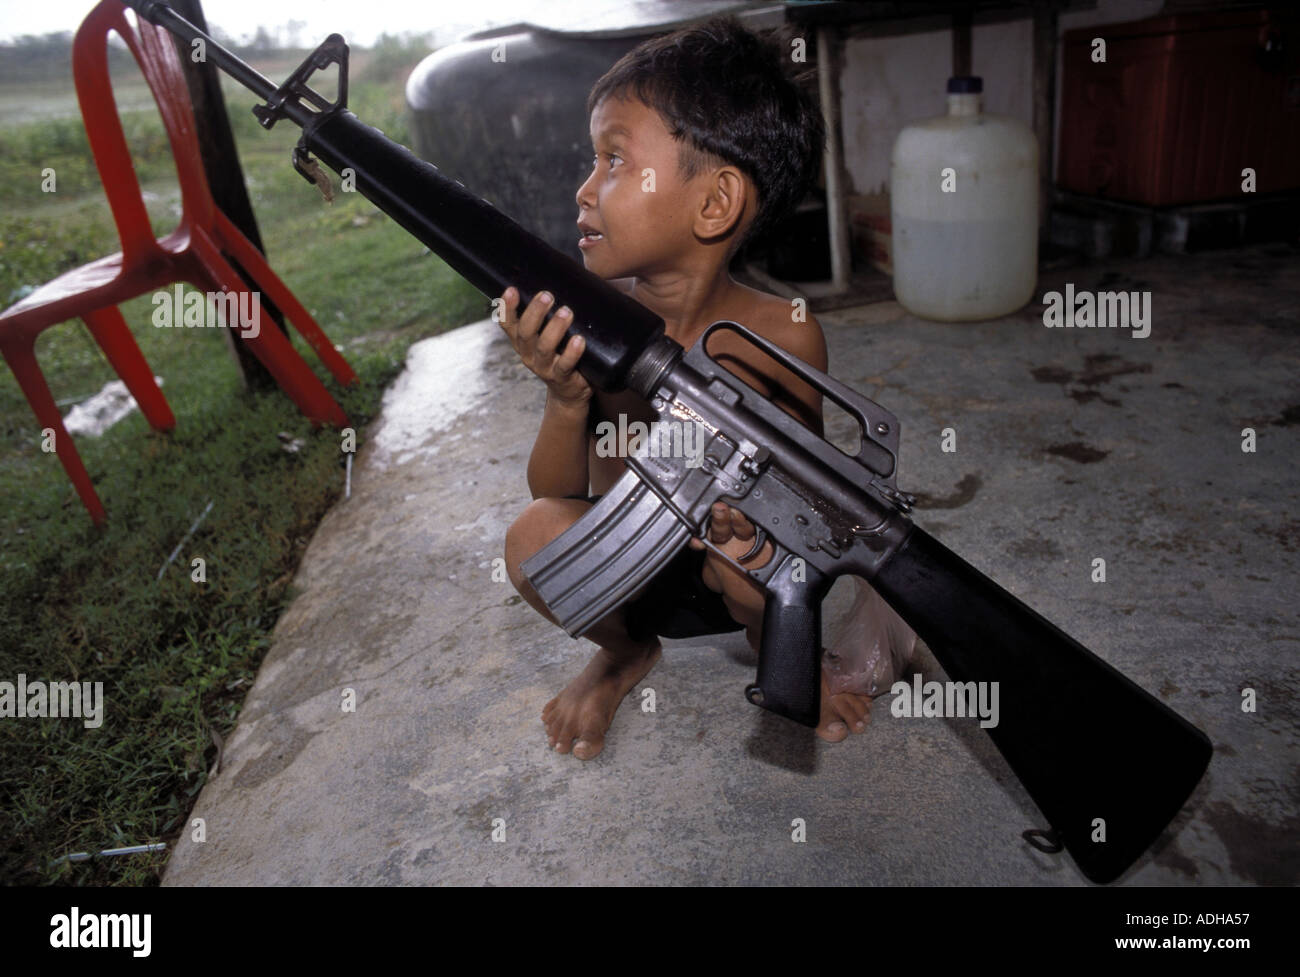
point(536, 345)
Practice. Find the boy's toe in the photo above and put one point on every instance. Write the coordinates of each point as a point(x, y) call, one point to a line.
point(590, 743)
point(833, 731)
point(842, 714)
point(855, 710)
point(556, 735)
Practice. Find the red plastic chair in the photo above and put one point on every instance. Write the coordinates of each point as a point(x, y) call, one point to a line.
point(194, 253)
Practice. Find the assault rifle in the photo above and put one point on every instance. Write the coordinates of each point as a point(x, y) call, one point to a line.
point(1099, 756)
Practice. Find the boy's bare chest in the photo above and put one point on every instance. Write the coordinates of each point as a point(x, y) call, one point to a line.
point(619, 410)
point(634, 407)
point(625, 408)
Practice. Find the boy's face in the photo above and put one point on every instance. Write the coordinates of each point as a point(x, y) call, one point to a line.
point(642, 232)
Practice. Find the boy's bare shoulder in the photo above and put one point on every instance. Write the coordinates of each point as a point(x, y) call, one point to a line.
point(778, 320)
point(787, 325)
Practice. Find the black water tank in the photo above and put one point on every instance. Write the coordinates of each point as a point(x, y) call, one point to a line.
point(515, 130)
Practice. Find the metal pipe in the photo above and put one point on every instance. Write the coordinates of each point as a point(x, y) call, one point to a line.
point(833, 164)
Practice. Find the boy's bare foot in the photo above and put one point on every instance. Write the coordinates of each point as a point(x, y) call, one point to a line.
point(584, 710)
point(842, 713)
point(875, 646)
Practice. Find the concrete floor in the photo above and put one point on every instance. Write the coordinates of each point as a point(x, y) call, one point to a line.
point(1071, 444)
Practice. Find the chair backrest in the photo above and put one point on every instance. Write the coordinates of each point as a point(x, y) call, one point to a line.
point(155, 52)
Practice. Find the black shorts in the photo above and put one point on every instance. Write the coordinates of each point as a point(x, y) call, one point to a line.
point(676, 603)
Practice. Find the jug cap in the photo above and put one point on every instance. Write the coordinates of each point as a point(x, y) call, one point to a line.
point(965, 85)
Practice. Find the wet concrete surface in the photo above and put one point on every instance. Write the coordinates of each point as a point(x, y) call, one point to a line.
point(1071, 444)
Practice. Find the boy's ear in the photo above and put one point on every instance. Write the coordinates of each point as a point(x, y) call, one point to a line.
point(726, 204)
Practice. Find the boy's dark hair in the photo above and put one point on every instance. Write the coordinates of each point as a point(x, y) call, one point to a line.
point(725, 94)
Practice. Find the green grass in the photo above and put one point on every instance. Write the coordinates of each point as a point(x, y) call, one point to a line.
point(80, 603)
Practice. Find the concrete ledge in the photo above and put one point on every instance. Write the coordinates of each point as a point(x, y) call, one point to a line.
point(1072, 444)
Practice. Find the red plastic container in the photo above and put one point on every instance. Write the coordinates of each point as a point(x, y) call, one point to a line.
point(1181, 106)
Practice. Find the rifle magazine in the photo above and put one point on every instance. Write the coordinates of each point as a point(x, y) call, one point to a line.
point(603, 559)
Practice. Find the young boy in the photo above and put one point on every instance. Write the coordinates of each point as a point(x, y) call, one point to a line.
point(733, 144)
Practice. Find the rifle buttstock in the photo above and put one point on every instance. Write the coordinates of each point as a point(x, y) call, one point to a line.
point(1108, 764)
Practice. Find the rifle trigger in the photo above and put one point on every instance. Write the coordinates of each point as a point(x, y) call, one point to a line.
point(760, 540)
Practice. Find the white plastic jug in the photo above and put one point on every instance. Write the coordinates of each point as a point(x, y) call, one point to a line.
point(964, 208)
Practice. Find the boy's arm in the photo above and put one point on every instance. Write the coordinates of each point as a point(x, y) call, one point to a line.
point(558, 465)
point(804, 340)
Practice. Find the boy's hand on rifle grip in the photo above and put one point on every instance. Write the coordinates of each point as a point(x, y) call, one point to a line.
point(536, 345)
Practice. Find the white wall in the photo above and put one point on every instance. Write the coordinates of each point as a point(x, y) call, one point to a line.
point(889, 82)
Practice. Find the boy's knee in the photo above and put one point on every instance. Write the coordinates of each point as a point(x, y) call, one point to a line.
point(541, 522)
point(520, 540)
point(737, 590)
point(745, 608)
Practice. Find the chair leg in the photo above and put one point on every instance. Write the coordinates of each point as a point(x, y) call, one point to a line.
point(21, 357)
point(270, 345)
point(256, 265)
point(114, 337)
